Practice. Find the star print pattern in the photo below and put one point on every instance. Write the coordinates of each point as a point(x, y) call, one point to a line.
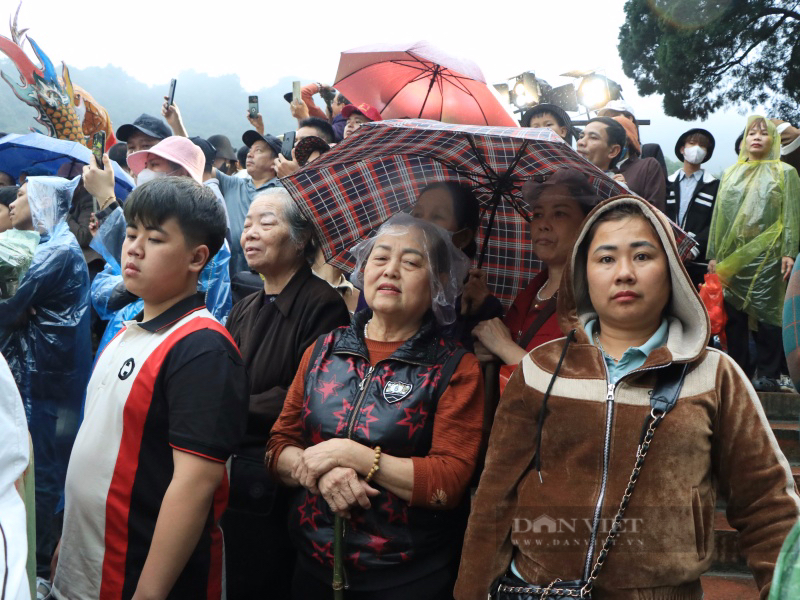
point(309, 511)
point(381, 535)
point(395, 508)
point(377, 543)
point(354, 559)
point(415, 419)
point(322, 553)
point(328, 388)
point(342, 415)
point(430, 377)
point(365, 420)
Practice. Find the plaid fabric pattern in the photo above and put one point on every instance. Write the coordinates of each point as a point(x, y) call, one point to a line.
point(380, 169)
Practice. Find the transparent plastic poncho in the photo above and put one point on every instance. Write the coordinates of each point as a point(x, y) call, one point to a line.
point(447, 265)
point(756, 222)
point(16, 254)
point(786, 578)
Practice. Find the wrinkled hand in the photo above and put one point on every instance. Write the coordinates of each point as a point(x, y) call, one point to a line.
point(343, 489)
point(319, 459)
point(482, 354)
point(475, 292)
point(99, 182)
point(299, 109)
point(787, 263)
point(493, 334)
point(256, 122)
point(172, 114)
point(283, 167)
point(712, 266)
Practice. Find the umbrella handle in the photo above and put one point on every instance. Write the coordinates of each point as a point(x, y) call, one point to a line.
point(338, 558)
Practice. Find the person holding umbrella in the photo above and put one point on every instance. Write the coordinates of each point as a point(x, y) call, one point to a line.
point(558, 205)
point(383, 421)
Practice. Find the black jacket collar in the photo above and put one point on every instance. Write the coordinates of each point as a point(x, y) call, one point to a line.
point(173, 314)
point(422, 348)
point(286, 299)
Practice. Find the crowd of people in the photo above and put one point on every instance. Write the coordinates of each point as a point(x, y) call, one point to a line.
point(195, 404)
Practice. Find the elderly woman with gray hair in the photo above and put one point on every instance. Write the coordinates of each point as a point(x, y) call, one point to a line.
point(382, 425)
point(272, 328)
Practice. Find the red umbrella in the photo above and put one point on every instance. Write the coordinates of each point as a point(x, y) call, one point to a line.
point(419, 81)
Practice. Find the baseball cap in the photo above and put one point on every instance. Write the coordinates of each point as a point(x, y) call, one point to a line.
point(363, 109)
point(146, 124)
point(180, 150)
point(251, 137)
point(207, 148)
point(223, 146)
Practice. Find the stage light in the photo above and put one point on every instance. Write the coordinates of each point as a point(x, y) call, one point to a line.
point(595, 91)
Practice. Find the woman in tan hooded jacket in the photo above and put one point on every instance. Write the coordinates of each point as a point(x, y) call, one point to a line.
point(568, 426)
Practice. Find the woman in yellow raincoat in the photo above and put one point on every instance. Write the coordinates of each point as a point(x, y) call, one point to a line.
point(752, 244)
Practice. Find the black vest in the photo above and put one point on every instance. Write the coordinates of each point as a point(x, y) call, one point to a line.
point(391, 405)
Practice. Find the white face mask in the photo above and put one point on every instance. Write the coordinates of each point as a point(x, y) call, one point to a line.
point(146, 175)
point(694, 154)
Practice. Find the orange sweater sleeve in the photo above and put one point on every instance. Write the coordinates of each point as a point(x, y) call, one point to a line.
point(306, 93)
point(442, 477)
point(287, 430)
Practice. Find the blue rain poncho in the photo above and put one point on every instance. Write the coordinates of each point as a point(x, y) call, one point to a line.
point(756, 222)
point(114, 304)
point(44, 336)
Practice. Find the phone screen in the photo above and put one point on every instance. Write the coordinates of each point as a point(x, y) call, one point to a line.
point(296, 91)
point(171, 95)
point(98, 147)
point(252, 102)
point(288, 144)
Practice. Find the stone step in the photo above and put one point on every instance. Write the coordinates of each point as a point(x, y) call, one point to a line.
point(788, 436)
point(781, 406)
point(728, 586)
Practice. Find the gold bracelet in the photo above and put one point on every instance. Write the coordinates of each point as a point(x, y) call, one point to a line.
point(108, 201)
point(375, 466)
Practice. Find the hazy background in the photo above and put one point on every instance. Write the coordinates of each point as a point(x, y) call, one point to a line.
point(125, 53)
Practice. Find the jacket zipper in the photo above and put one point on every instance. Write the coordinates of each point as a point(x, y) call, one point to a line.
point(606, 455)
point(362, 388)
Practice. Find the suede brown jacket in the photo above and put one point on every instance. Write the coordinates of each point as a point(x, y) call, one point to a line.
point(715, 440)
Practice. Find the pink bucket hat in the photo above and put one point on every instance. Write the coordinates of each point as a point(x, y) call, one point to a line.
point(180, 150)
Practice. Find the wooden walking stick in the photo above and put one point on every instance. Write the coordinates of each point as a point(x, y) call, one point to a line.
point(338, 558)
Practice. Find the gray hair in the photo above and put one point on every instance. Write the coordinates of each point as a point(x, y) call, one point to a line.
point(447, 265)
point(301, 232)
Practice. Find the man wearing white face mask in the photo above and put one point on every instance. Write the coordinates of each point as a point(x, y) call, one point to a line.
point(692, 191)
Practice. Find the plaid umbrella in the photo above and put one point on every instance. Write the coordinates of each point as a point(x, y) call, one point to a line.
point(380, 169)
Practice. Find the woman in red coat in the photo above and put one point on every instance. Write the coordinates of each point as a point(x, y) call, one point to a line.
point(558, 205)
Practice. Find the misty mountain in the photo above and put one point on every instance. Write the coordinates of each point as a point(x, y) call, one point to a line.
point(209, 105)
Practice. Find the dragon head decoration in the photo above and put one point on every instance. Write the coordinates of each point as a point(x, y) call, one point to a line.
point(53, 97)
